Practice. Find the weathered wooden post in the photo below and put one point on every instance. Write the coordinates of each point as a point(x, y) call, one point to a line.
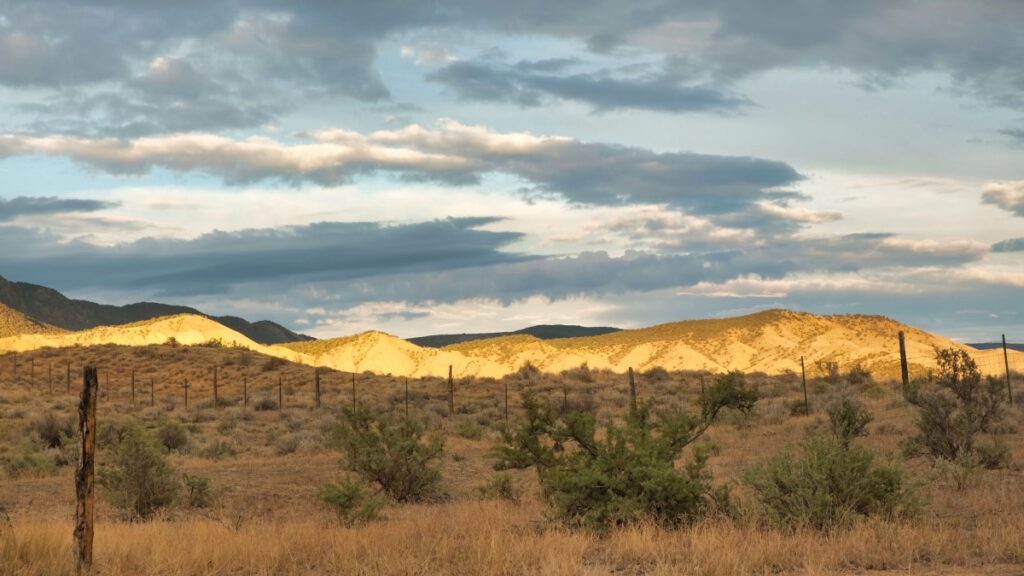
point(505, 380)
point(316, 379)
point(451, 392)
point(353, 390)
point(803, 378)
point(702, 385)
point(1006, 363)
point(152, 394)
point(216, 391)
point(632, 393)
point(186, 393)
point(280, 394)
point(904, 372)
point(565, 397)
point(85, 473)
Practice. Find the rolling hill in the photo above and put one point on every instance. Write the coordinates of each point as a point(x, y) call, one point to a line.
point(13, 322)
point(772, 342)
point(51, 307)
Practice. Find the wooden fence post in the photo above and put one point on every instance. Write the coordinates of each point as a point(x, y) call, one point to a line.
point(280, 394)
point(85, 473)
point(1006, 363)
point(565, 397)
point(186, 393)
point(316, 378)
point(803, 378)
point(451, 392)
point(406, 397)
point(702, 385)
point(904, 371)
point(152, 394)
point(632, 393)
point(353, 390)
point(216, 391)
point(505, 380)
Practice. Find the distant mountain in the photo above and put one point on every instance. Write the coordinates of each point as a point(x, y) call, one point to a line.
point(49, 306)
point(991, 345)
point(542, 331)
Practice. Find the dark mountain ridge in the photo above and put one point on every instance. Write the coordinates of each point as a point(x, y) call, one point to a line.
point(51, 307)
point(542, 331)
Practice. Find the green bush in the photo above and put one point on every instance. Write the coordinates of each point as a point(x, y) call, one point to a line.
point(172, 435)
point(200, 490)
point(469, 430)
point(27, 461)
point(994, 455)
point(848, 419)
point(350, 502)
point(960, 406)
point(629, 474)
point(501, 486)
point(827, 484)
point(52, 430)
point(391, 451)
point(138, 479)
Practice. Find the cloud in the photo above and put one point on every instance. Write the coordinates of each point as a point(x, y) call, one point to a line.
point(531, 84)
point(36, 205)
point(581, 172)
point(1011, 245)
point(1015, 134)
point(217, 261)
point(1007, 195)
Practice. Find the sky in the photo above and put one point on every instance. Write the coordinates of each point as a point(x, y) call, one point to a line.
point(479, 165)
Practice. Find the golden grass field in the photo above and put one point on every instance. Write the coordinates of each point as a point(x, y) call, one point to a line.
point(266, 466)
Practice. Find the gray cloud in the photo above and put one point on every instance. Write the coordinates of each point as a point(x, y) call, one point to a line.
point(532, 83)
point(728, 187)
point(1010, 245)
point(217, 261)
point(1015, 134)
point(1007, 195)
point(36, 205)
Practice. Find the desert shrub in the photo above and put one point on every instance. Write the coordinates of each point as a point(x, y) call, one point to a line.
point(219, 448)
point(656, 374)
point(829, 370)
point(52, 430)
point(581, 373)
point(848, 419)
point(271, 364)
point(628, 474)
point(994, 455)
point(138, 479)
point(392, 452)
point(27, 461)
point(350, 501)
point(287, 444)
point(501, 486)
point(469, 430)
point(199, 490)
point(959, 406)
point(172, 435)
point(859, 376)
point(797, 408)
point(264, 404)
point(527, 371)
point(827, 484)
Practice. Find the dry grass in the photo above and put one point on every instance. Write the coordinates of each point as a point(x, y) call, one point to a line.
point(267, 519)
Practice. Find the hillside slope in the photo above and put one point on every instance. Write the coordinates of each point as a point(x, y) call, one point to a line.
point(13, 322)
point(50, 306)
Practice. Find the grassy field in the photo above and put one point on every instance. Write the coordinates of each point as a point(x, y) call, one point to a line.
point(266, 464)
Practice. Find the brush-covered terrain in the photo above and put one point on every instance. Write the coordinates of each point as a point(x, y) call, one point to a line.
point(249, 474)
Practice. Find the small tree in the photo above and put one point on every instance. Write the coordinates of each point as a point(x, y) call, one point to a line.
point(138, 480)
point(961, 405)
point(630, 473)
point(392, 452)
point(349, 500)
point(848, 419)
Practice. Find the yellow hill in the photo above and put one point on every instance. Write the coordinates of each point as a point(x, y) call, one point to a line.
point(772, 342)
point(13, 323)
